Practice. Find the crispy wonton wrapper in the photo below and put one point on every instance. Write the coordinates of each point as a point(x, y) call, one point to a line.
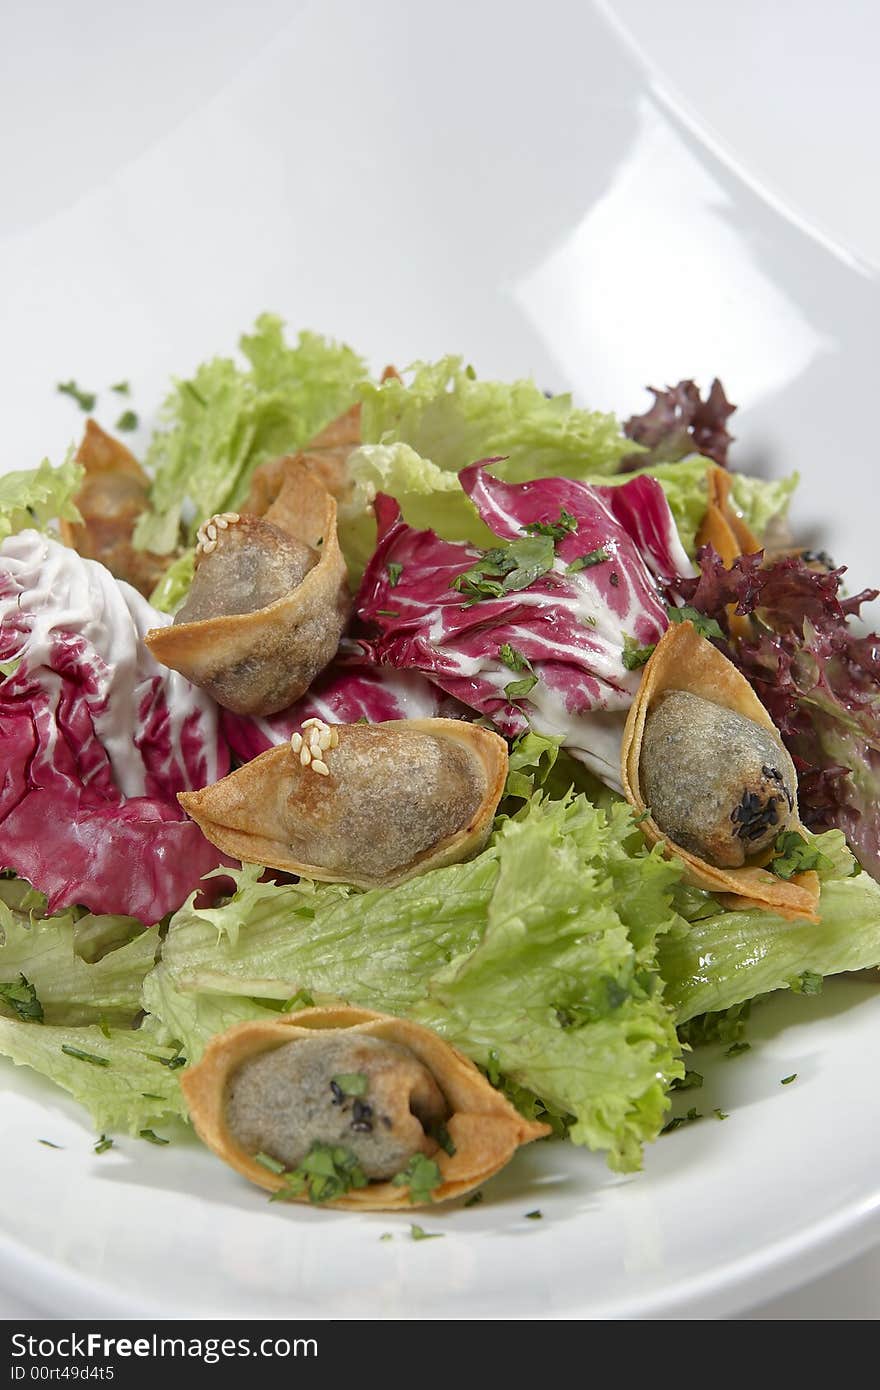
point(484, 1127)
point(261, 811)
point(683, 660)
point(114, 493)
point(260, 662)
point(726, 531)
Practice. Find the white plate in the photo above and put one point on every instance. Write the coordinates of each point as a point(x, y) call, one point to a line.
point(418, 180)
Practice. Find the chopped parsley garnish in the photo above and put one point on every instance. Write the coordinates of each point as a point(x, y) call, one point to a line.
point(394, 572)
point(351, 1083)
point(328, 1171)
point(493, 1066)
point(81, 1056)
point(386, 1235)
point(151, 1137)
point(556, 530)
point(635, 656)
point(128, 420)
point(586, 562)
point(104, 1026)
point(706, 627)
point(736, 1048)
point(642, 816)
point(794, 856)
point(22, 999)
point(513, 658)
point(387, 612)
point(418, 1233)
point(84, 399)
point(172, 1063)
point(720, 1114)
point(809, 982)
point(506, 569)
point(444, 1139)
point(267, 1161)
point(421, 1175)
point(535, 1215)
point(303, 997)
point(47, 1143)
point(103, 1144)
point(122, 388)
point(150, 1095)
point(688, 1119)
point(787, 1080)
point(691, 1081)
point(516, 690)
point(475, 1198)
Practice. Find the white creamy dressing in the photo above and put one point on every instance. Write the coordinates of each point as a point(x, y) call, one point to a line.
point(60, 592)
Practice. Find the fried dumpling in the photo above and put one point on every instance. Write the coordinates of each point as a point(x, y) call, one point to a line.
point(369, 804)
point(704, 763)
point(347, 1108)
point(268, 602)
point(114, 493)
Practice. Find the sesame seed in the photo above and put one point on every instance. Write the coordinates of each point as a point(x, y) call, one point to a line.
point(320, 766)
point(221, 522)
point(208, 547)
point(231, 517)
point(296, 742)
point(211, 531)
point(312, 723)
point(305, 756)
point(334, 738)
point(324, 739)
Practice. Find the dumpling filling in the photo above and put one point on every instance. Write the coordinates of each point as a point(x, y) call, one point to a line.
point(247, 564)
point(716, 783)
point(369, 1095)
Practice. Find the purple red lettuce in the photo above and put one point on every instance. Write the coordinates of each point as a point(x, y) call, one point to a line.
point(680, 423)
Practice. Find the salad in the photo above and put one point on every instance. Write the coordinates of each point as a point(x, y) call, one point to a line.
point(398, 771)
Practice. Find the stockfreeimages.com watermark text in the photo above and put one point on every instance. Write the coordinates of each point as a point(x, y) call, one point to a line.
point(30, 1352)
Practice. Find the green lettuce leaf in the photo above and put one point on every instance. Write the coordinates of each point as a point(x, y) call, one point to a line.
point(452, 418)
point(36, 496)
point(722, 958)
point(225, 420)
point(536, 958)
point(125, 1089)
point(78, 967)
point(175, 583)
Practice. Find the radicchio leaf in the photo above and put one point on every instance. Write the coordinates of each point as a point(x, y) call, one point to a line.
point(680, 423)
point(97, 740)
point(570, 624)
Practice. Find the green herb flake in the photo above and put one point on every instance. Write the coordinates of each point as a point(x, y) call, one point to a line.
point(303, 998)
point(642, 817)
point(22, 999)
point(150, 1095)
point(152, 1138)
point(104, 1026)
point(351, 1083)
point(81, 1056)
point(513, 658)
point(810, 982)
point(475, 1198)
point(267, 1161)
point(720, 1114)
point(556, 530)
point(419, 1233)
point(635, 656)
point(442, 1136)
point(706, 627)
point(122, 388)
point(787, 1080)
point(692, 1115)
point(506, 569)
point(493, 1067)
point(737, 1048)
point(84, 399)
point(691, 1081)
point(386, 1235)
point(421, 1175)
point(387, 613)
point(47, 1143)
point(103, 1144)
point(535, 1215)
point(586, 562)
point(516, 690)
point(793, 855)
point(127, 421)
point(172, 1063)
point(327, 1172)
point(394, 572)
